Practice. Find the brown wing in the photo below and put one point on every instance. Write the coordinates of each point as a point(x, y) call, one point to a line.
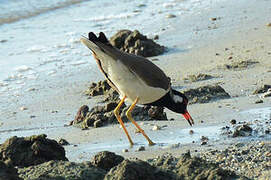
point(151, 74)
point(144, 69)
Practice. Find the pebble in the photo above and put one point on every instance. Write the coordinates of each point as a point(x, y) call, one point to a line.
point(203, 143)
point(191, 132)
point(156, 37)
point(170, 16)
point(268, 24)
point(213, 19)
point(125, 150)
point(233, 121)
point(23, 108)
point(141, 148)
point(204, 138)
point(63, 142)
point(31, 89)
point(3, 40)
point(156, 128)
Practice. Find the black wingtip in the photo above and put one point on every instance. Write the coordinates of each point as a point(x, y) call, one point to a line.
point(92, 37)
point(102, 38)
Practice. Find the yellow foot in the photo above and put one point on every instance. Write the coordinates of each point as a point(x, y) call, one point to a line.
point(151, 143)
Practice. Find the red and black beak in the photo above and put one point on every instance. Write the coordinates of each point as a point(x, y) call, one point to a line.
point(188, 118)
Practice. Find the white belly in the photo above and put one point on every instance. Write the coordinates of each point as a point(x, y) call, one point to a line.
point(132, 86)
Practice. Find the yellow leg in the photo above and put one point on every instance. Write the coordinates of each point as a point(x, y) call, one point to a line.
point(129, 116)
point(116, 112)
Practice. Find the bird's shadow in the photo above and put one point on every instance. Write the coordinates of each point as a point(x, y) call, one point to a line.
point(173, 50)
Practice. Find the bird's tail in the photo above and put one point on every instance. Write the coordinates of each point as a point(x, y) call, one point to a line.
point(101, 38)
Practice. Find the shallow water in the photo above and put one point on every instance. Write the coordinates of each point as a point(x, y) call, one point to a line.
point(171, 138)
point(41, 55)
point(163, 139)
point(46, 44)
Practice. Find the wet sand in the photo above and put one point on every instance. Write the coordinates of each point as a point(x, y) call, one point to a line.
point(238, 33)
point(246, 38)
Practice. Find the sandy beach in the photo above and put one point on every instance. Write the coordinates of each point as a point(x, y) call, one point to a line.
point(207, 42)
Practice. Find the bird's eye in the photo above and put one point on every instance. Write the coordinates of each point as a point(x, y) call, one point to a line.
point(185, 101)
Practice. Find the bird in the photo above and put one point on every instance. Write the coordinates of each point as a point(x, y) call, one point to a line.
point(136, 79)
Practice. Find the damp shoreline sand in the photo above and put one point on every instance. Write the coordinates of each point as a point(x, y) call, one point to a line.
point(238, 33)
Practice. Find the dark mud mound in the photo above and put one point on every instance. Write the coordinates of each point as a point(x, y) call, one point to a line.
point(134, 170)
point(252, 160)
point(196, 168)
point(96, 89)
point(106, 160)
point(197, 77)
point(242, 130)
point(145, 113)
point(102, 88)
point(62, 170)
point(136, 43)
point(8, 172)
point(80, 115)
point(107, 165)
point(206, 94)
point(100, 116)
point(33, 150)
point(187, 167)
point(239, 65)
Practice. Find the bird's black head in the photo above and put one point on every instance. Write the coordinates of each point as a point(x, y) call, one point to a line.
point(179, 105)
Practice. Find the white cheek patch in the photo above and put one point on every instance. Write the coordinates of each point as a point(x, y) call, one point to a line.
point(177, 99)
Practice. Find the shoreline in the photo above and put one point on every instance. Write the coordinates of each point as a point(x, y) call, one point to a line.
point(243, 35)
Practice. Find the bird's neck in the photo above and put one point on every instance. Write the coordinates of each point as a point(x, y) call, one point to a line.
point(165, 101)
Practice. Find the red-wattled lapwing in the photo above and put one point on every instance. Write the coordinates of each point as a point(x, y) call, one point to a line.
point(136, 79)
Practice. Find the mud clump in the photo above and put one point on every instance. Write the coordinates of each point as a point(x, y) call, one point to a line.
point(137, 169)
point(8, 172)
point(240, 65)
point(96, 89)
point(262, 89)
point(187, 167)
point(196, 168)
point(242, 130)
point(33, 150)
point(197, 77)
point(80, 115)
point(111, 96)
point(106, 160)
point(102, 88)
point(61, 170)
point(157, 113)
point(100, 116)
point(136, 43)
point(206, 94)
